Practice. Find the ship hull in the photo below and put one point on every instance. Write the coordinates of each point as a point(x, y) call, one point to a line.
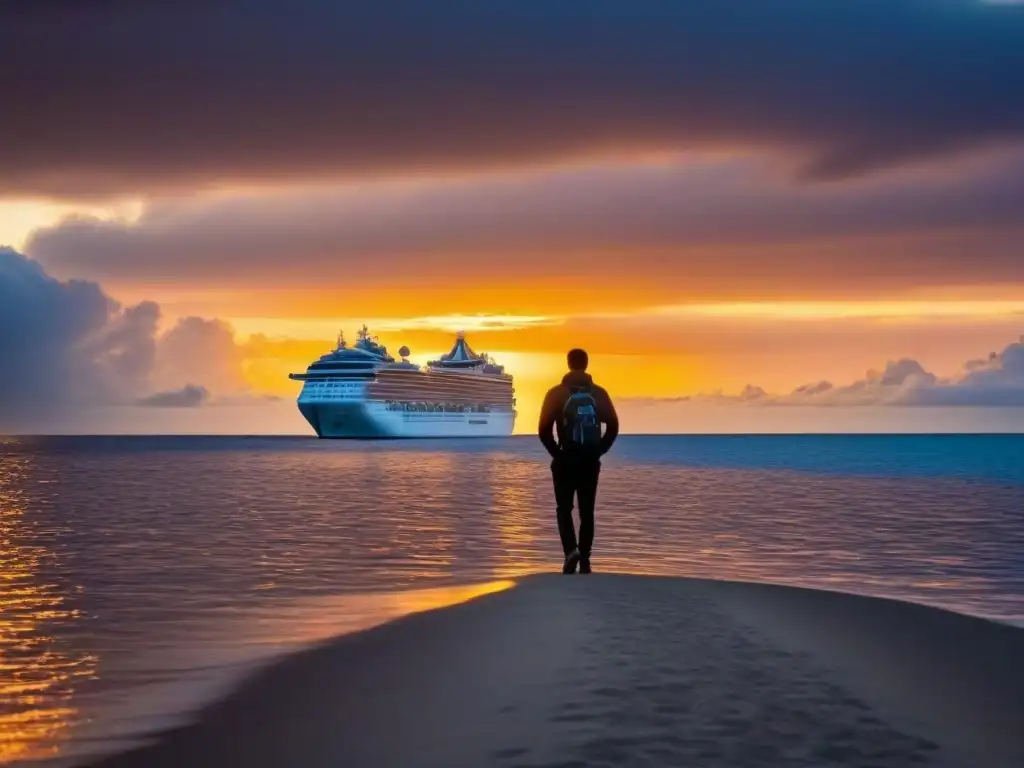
point(373, 421)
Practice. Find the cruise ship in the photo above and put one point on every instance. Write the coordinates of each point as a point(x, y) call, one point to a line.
point(360, 391)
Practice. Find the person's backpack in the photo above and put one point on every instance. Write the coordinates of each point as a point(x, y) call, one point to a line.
point(582, 427)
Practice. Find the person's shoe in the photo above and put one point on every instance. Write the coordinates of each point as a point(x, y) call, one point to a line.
point(585, 565)
point(570, 562)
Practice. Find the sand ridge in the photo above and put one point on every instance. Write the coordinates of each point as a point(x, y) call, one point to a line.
point(606, 670)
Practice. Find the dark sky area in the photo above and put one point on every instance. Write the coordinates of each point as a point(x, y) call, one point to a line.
point(124, 97)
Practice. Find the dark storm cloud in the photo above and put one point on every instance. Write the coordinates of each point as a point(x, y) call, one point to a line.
point(118, 97)
point(965, 225)
point(41, 322)
point(67, 344)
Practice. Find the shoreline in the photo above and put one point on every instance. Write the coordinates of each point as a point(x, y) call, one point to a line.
point(622, 667)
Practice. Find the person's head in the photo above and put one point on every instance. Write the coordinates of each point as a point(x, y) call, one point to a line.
point(578, 360)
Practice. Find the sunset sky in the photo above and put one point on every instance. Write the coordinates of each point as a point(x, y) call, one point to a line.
point(732, 205)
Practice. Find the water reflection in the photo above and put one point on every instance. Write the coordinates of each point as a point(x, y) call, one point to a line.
point(515, 489)
point(423, 539)
point(196, 556)
point(163, 683)
point(38, 677)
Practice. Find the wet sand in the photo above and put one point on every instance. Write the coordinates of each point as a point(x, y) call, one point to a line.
point(631, 671)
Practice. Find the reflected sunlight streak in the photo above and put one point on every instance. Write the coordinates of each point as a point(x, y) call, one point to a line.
point(425, 543)
point(37, 680)
point(513, 494)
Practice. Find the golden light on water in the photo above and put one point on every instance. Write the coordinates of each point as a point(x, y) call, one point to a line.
point(37, 679)
point(512, 480)
point(426, 542)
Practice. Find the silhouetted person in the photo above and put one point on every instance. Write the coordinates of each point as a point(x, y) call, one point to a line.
point(576, 409)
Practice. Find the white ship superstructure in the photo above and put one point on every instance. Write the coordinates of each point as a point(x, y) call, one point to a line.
point(360, 391)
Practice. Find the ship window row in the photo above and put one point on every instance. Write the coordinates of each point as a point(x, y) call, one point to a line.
point(467, 374)
point(330, 385)
point(385, 391)
point(433, 388)
point(420, 397)
point(357, 381)
point(454, 386)
point(437, 395)
point(423, 407)
point(452, 377)
point(429, 385)
point(418, 394)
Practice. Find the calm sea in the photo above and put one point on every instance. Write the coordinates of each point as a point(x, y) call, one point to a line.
point(140, 576)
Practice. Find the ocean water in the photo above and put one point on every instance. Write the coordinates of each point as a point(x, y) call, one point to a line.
point(140, 576)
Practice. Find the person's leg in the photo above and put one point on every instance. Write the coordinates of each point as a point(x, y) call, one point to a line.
point(565, 490)
point(586, 488)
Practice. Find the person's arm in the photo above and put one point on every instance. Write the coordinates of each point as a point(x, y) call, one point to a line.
point(545, 429)
point(611, 420)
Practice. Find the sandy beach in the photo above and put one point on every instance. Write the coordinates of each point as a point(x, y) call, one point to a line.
point(631, 671)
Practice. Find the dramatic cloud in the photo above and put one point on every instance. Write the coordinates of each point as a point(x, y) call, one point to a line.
point(122, 97)
point(67, 344)
point(997, 381)
point(200, 350)
point(47, 328)
point(896, 229)
point(901, 382)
